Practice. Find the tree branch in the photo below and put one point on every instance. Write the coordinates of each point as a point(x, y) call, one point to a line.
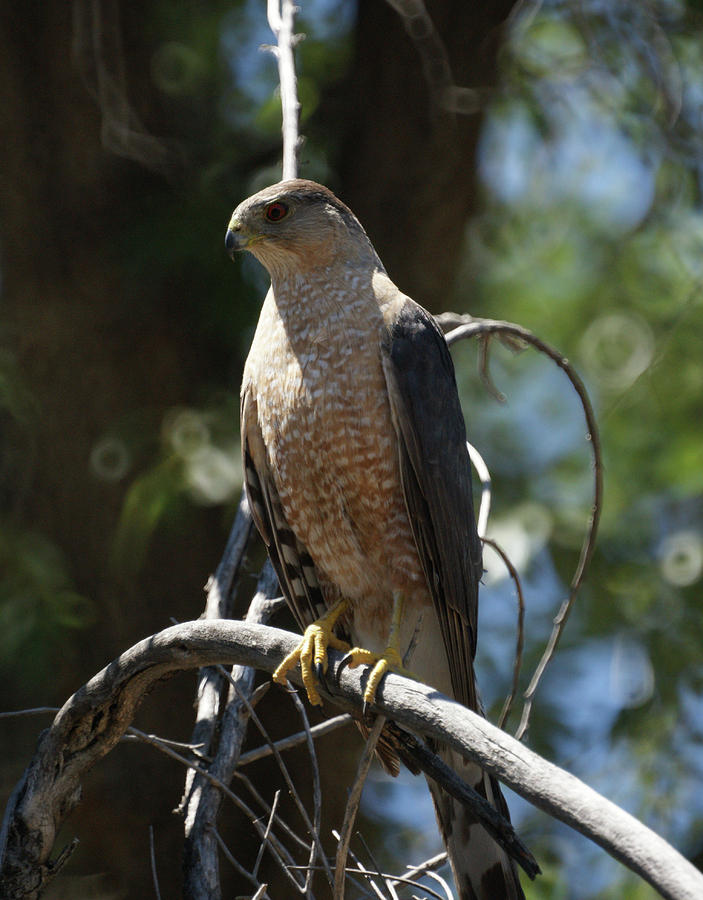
point(95, 717)
point(516, 337)
point(281, 19)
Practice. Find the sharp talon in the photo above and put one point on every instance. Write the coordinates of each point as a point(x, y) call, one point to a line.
point(311, 653)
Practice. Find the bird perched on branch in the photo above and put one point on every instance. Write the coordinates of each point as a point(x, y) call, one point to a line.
point(358, 476)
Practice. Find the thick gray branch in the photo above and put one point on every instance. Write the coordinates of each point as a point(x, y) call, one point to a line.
point(94, 719)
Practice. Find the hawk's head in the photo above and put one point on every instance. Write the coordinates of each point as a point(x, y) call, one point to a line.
point(296, 225)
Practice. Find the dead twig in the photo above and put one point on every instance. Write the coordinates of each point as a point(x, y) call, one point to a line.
point(295, 739)
point(519, 335)
point(353, 805)
point(281, 19)
point(152, 860)
point(520, 636)
point(316, 788)
point(484, 477)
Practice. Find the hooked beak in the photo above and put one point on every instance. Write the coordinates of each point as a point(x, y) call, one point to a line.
point(236, 238)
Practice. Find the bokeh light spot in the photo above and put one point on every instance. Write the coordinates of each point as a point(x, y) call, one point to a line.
point(109, 459)
point(176, 69)
point(213, 476)
point(617, 348)
point(186, 431)
point(681, 558)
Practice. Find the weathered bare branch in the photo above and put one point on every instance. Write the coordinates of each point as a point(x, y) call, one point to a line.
point(93, 720)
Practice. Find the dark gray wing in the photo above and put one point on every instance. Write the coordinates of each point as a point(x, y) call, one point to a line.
point(290, 559)
point(436, 481)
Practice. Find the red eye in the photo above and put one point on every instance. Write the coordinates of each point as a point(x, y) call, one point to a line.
point(276, 211)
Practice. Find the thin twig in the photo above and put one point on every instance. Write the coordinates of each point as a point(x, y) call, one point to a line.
point(281, 19)
point(519, 640)
point(265, 806)
point(36, 711)
point(281, 854)
point(434, 862)
point(402, 879)
point(479, 327)
point(237, 866)
point(360, 885)
point(445, 887)
point(295, 740)
point(289, 781)
point(265, 838)
point(484, 476)
point(152, 859)
point(377, 868)
point(371, 884)
point(134, 734)
point(238, 802)
point(353, 805)
point(316, 789)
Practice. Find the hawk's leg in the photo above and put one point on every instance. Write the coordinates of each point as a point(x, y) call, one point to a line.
point(311, 652)
point(390, 659)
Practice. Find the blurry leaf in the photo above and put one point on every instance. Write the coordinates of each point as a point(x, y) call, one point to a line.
point(37, 599)
point(148, 499)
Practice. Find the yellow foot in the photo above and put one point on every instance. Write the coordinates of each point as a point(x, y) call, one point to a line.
point(311, 653)
point(389, 660)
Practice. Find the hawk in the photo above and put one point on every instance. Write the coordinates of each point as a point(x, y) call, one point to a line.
point(358, 476)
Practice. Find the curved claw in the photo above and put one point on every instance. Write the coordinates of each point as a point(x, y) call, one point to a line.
point(311, 653)
point(389, 660)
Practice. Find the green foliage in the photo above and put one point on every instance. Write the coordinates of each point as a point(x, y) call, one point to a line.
point(592, 237)
point(38, 601)
point(199, 463)
point(590, 234)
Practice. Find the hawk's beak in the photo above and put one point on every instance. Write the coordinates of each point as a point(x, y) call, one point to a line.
point(237, 237)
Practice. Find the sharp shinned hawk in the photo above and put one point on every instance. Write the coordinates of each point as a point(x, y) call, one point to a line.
point(358, 475)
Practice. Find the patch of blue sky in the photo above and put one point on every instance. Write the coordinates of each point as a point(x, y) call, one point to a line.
point(588, 686)
point(586, 160)
point(539, 425)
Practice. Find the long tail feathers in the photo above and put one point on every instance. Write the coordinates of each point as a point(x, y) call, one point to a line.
point(482, 870)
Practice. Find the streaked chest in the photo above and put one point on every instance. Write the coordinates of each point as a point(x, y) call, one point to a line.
point(324, 416)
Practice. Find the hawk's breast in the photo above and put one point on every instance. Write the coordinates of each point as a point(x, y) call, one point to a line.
point(325, 420)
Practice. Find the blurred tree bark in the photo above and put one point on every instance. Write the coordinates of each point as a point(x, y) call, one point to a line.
point(408, 168)
point(97, 345)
